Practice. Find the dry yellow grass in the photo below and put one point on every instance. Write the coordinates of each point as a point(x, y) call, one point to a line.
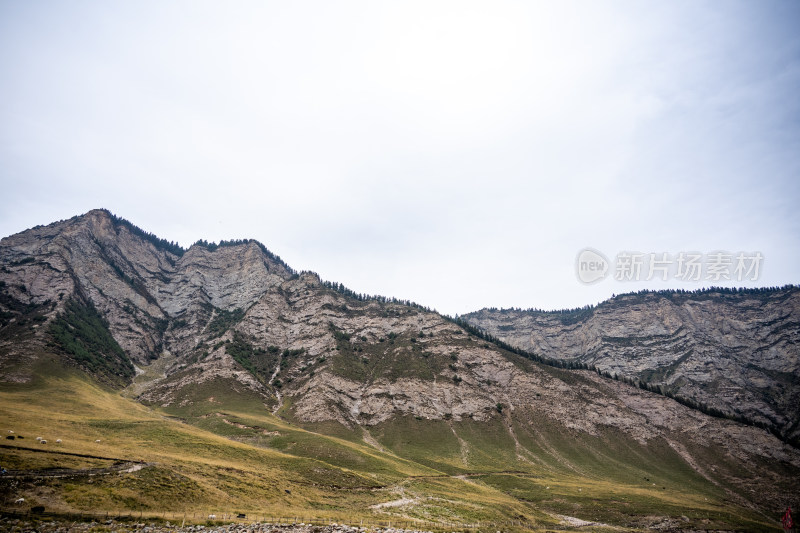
point(243, 459)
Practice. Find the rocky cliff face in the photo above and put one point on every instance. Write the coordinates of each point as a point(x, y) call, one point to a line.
point(141, 289)
point(235, 320)
point(736, 352)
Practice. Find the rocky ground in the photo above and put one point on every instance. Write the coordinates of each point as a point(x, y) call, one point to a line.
point(27, 525)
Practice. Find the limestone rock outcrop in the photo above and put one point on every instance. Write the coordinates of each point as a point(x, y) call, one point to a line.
point(737, 352)
point(235, 319)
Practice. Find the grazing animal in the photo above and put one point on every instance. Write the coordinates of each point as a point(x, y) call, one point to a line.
point(97, 441)
point(10, 431)
point(287, 491)
point(43, 441)
point(10, 437)
point(38, 438)
point(20, 500)
point(58, 441)
point(212, 516)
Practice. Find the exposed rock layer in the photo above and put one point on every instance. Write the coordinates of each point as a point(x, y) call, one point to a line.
point(236, 319)
point(737, 352)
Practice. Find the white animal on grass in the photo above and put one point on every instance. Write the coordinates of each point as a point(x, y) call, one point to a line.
point(212, 516)
point(97, 441)
point(38, 438)
point(20, 500)
point(58, 441)
point(43, 441)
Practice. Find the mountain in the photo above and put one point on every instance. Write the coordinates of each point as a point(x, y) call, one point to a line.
point(732, 352)
point(234, 374)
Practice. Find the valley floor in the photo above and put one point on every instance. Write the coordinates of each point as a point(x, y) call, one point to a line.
point(121, 458)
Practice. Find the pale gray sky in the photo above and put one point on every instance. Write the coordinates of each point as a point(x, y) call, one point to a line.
point(459, 154)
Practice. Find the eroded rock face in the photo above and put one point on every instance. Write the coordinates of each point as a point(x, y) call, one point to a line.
point(736, 352)
point(235, 319)
point(140, 288)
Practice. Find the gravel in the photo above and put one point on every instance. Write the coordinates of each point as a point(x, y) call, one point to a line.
point(17, 525)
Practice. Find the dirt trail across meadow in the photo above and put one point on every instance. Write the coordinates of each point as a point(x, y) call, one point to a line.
point(118, 466)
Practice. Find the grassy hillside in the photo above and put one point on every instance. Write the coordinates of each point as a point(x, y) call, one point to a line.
point(221, 452)
point(222, 461)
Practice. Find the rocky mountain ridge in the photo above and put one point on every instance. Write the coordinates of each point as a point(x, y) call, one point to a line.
point(734, 351)
point(186, 330)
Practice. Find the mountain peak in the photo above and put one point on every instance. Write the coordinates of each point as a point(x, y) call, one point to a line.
point(226, 327)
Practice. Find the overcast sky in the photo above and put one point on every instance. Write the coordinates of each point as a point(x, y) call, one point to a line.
point(458, 154)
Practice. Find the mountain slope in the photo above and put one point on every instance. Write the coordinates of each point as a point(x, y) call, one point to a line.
point(735, 351)
point(231, 341)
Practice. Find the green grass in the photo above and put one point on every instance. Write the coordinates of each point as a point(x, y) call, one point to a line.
point(202, 465)
point(427, 442)
point(218, 449)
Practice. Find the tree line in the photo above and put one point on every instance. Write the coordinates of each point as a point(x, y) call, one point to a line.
point(341, 289)
point(669, 293)
point(644, 385)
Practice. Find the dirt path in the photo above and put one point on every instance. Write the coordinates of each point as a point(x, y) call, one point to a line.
point(73, 454)
point(403, 500)
point(119, 466)
point(116, 468)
